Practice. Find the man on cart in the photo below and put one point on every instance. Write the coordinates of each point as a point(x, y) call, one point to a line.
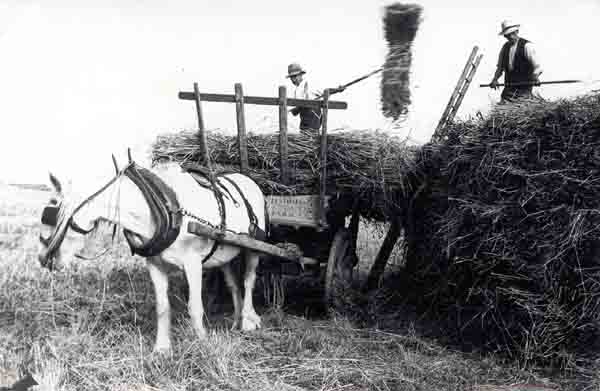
point(310, 118)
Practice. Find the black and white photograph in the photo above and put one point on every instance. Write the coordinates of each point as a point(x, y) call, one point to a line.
point(290, 196)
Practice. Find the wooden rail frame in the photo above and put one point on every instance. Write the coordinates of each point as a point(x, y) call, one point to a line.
point(283, 102)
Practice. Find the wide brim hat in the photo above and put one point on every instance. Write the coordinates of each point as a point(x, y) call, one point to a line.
point(294, 69)
point(507, 27)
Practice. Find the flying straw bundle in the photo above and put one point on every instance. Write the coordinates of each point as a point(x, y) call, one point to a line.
point(369, 165)
point(401, 22)
point(503, 236)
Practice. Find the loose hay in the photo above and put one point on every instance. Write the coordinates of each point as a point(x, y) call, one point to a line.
point(504, 231)
point(401, 22)
point(369, 165)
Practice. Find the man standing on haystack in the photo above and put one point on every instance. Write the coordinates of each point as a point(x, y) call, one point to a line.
point(310, 118)
point(518, 61)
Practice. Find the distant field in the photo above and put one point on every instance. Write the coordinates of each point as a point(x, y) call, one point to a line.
point(92, 325)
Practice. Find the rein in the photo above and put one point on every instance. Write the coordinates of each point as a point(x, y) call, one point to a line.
point(58, 236)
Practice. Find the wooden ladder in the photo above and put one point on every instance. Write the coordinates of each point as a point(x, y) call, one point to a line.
point(459, 92)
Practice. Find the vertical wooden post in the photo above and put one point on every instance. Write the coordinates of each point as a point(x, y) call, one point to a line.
point(323, 189)
point(354, 223)
point(241, 127)
point(384, 254)
point(201, 130)
point(283, 137)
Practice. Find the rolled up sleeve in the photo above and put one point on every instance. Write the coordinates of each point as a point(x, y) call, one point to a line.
point(532, 56)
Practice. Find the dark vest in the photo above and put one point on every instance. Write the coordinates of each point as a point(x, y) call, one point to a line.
point(310, 118)
point(522, 68)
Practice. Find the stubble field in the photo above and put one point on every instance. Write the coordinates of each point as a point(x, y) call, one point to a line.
point(91, 326)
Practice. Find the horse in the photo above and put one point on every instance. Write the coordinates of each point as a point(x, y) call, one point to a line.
point(151, 206)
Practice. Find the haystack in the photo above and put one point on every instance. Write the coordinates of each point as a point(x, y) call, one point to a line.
point(503, 234)
point(369, 165)
point(401, 22)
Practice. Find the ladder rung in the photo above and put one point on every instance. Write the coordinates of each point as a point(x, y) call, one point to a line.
point(460, 89)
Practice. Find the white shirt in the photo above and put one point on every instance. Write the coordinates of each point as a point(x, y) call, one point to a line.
point(302, 91)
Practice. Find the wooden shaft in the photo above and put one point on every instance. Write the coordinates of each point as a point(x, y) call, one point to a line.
point(283, 136)
point(344, 86)
point(241, 127)
point(323, 187)
point(354, 223)
point(362, 78)
point(245, 241)
point(532, 83)
point(201, 131)
point(259, 100)
point(384, 254)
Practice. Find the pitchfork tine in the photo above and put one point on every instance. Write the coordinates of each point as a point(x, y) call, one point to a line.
point(115, 163)
point(129, 154)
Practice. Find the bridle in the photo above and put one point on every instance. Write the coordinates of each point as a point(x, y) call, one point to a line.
point(50, 216)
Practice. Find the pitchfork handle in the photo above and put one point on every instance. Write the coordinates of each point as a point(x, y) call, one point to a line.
point(532, 83)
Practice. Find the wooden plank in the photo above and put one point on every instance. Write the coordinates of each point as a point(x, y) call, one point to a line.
point(259, 100)
point(241, 127)
point(283, 137)
point(323, 184)
point(245, 241)
point(201, 130)
point(301, 210)
point(384, 254)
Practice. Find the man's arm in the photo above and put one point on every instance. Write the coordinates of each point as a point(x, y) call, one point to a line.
point(499, 69)
point(532, 56)
point(497, 74)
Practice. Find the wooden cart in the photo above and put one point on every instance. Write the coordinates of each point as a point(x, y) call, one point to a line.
point(314, 223)
point(317, 223)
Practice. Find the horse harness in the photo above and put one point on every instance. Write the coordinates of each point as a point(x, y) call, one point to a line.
point(164, 209)
point(168, 214)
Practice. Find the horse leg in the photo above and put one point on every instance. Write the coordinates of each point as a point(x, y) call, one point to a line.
point(163, 309)
point(193, 274)
point(250, 319)
point(236, 295)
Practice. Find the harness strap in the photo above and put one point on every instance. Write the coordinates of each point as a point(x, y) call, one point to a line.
point(218, 189)
point(221, 205)
point(164, 209)
point(197, 173)
point(254, 230)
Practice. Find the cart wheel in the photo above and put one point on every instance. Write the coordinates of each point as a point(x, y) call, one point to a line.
point(339, 265)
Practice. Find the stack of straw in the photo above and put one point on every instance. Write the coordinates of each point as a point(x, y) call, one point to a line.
point(369, 165)
point(401, 22)
point(504, 231)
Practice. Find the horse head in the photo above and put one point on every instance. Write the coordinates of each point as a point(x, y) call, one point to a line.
point(56, 221)
point(53, 229)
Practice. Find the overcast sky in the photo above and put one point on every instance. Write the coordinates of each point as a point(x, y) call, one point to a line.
point(80, 80)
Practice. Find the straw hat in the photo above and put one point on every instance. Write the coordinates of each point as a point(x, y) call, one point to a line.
point(295, 69)
point(507, 27)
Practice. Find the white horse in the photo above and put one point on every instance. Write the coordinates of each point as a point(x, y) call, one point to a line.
point(125, 201)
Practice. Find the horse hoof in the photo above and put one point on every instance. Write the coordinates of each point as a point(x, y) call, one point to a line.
point(162, 352)
point(251, 323)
